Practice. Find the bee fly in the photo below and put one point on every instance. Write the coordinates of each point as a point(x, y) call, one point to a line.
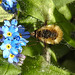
point(50, 34)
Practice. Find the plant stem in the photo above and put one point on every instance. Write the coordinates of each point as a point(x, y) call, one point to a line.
point(47, 54)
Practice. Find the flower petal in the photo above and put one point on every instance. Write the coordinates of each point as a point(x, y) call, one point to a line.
point(21, 29)
point(13, 43)
point(13, 0)
point(15, 34)
point(19, 47)
point(16, 29)
point(10, 38)
point(15, 59)
point(6, 41)
point(24, 40)
point(6, 23)
point(14, 51)
point(23, 43)
point(6, 54)
point(26, 36)
point(11, 29)
point(10, 60)
point(5, 35)
point(5, 29)
point(10, 3)
point(3, 46)
point(4, 6)
point(26, 32)
point(14, 22)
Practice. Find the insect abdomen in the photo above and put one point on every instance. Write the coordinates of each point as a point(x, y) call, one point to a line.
point(50, 34)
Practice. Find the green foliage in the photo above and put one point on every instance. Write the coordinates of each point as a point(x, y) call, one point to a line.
point(8, 69)
point(4, 15)
point(32, 48)
point(38, 66)
point(40, 9)
point(33, 14)
point(60, 3)
point(47, 12)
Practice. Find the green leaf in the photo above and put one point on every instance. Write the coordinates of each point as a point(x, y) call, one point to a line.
point(60, 3)
point(69, 64)
point(71, 7)
point(62, 7)
point(60, 50)
point(5, 15)
point(28, 19)
point(65, 11)
point(8, 69)
point(33, 48)
point(66, 27)
point(40, 9)
point(38, 66)
point(53, 56)
point(43, 9)
point(30, 23)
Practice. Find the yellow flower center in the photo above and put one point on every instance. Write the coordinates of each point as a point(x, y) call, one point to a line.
point(11, 56)
point(8, 46)
point(9, 34)
point(20, 35)
point(0, 1)
point(1, 36)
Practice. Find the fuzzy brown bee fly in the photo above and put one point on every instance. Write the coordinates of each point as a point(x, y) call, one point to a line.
point(50, 34)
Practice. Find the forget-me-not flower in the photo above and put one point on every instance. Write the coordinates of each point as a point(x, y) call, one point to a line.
point(22, 32)
point(9, 31)
point(9, 5)
point(15, 38)
point(8, 46)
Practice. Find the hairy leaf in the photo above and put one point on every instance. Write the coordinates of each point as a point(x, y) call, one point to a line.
point(5, 15)
point(38, 66)
point(8, 69)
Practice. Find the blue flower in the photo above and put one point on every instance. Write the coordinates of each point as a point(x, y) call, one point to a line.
point(1, 35)
point(15, 43)
point(6, 53)
point(20, 40)
point(8, 46)
point(15, 38)
point(9, 31)
point(9, 5)
point(21, 59)
point(23, 41)
point(7, 23)
point(13, 58)
point(13, 22)
point(22, 32)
